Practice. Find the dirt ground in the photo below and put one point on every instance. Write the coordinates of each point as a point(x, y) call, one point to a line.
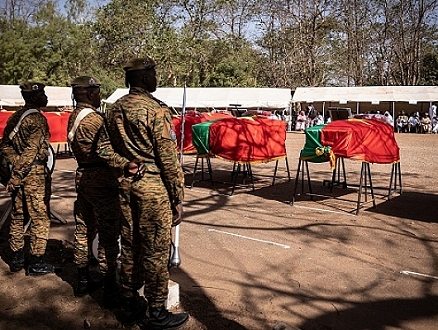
point(252, 261)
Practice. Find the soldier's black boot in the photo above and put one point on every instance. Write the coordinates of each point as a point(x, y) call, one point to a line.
point(112, 298)
point(82, 285)
point(37, 266)
point(134, 311)
point(17, 262)
point(160, 318)
point(86, 284)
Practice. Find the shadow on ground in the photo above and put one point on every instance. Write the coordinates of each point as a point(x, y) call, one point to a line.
point(410, 205)
point(193, 299)
point(376, 315)
point(201, 307)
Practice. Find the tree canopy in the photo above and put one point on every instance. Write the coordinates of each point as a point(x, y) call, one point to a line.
point(222, 43)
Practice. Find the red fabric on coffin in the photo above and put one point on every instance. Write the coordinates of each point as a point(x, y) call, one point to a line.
point(57, 124)
point(361, 139)
point(248, 140)
point(189, 121)
point(58, 130)
point(4, 116)
point(192, 118)
point(64, 124)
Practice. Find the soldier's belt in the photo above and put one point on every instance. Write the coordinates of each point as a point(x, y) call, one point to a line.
point(151, 168)
point(93, 165)
point(39, 162)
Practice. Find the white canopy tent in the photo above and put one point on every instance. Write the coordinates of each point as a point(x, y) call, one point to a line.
point(361, 99)
point(367, 94)
point(220, 98)
point(10, 95)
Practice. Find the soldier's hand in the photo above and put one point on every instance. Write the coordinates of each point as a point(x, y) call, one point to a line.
point(178, 212)
point(11, 188)
point(134, 168)
point(131, 169)
point(141, 168)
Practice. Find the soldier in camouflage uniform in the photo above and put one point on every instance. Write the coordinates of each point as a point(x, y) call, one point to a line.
point(96, 208)
point(141, 127)
point(30, 182)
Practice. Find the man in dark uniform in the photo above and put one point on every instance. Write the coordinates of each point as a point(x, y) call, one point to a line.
point(96, 208)
point(141, 127)
point(25, 144)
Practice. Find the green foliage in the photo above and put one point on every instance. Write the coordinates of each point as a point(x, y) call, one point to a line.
point(241, 43)
point(430, 69)
point(48, 48)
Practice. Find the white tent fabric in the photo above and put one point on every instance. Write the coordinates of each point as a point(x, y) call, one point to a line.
point(210, 97)
point(10, 95)
point(366, 94)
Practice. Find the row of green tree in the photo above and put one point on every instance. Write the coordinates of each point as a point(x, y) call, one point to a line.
point(229, 43)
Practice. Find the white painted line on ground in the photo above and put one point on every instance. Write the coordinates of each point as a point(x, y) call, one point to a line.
point(323, 210)
point(250, 238)
point(407, 272)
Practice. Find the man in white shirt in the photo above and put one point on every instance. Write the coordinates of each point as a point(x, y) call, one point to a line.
point(432, 111)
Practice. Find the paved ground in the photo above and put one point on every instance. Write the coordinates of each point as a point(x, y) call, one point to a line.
point(251, 260)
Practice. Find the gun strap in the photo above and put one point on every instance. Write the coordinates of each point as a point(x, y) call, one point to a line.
point(84, 112)
point(17, 127)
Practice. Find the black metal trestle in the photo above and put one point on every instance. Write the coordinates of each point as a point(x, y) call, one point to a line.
point(209, 170)
point(339, 178)
point(239, 169)
point(276, 167)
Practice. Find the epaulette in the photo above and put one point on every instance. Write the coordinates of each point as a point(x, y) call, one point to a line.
point(161, 103)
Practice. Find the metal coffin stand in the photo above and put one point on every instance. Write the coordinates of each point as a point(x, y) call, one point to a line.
point(339, 178)
point(239, 169)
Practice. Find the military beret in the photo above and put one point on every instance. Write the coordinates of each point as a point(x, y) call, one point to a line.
point(34, 87)
point(144, 63)
point(85, 81)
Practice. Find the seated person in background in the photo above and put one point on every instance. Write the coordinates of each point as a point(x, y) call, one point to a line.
point(388, 118)
point(301, 122)
point(401, 122)
point(425, 123)
point(318, 120)
point(413, 123)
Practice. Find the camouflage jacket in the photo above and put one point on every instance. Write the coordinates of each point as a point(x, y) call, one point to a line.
point(141, 127)
point(91, 143)
point(30, 144)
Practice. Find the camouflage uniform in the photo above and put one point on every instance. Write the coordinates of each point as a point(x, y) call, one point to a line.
point(96, 208)
point(28, 153)
point(141, 127)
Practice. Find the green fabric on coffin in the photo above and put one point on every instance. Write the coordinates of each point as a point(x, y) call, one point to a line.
point(313, 141)
point(201, 136)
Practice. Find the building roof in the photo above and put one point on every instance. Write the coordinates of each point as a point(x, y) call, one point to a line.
point(410, 94)
point(10, 95)
point(212, 97)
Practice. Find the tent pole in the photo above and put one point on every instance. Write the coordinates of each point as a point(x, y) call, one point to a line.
point(323, 110)
point(183, 119)
point(393, 114)
point(289, 122)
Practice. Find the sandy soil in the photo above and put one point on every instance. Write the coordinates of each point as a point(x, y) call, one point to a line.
point(251, 260)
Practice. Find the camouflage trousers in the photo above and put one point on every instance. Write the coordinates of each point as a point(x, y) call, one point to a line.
point(145, 238)
point(97, 210)
point(31, 203)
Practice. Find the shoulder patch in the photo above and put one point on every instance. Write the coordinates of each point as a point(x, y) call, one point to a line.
point(172, 134)
point(168, 130)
